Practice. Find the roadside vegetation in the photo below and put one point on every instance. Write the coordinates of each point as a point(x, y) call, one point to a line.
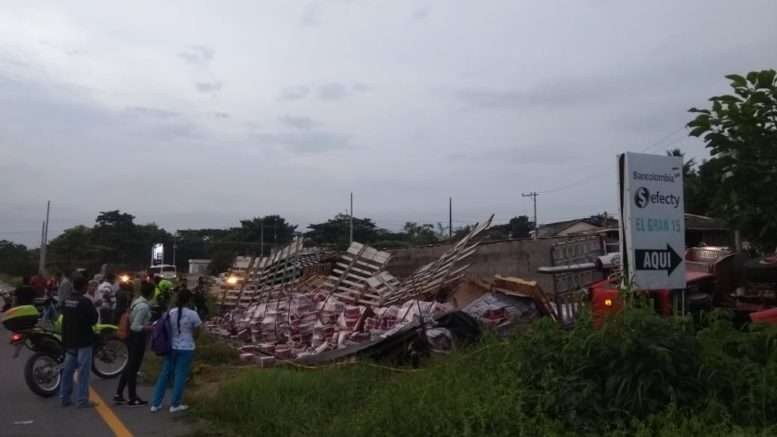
point(638, 375)
point(10, 280)
point(211, 352)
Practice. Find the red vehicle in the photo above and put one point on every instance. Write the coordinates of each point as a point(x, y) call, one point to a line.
point(711, 282)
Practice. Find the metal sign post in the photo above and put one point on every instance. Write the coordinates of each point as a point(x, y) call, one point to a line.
point(652, 220)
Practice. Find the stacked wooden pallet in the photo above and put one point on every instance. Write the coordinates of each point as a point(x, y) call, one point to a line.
point(284, 267)
point(349, 281)
point(446, 271)
point(230, 293)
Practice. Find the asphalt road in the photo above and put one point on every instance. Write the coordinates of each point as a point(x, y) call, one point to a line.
point(23, 413)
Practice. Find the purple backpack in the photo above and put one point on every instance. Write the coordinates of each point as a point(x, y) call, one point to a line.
point(161, 337)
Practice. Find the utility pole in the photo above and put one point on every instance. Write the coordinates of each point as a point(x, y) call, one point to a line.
point(533, 196)
point(450, 218)
point(42, 251)
point(351, 221)
point(44, 240)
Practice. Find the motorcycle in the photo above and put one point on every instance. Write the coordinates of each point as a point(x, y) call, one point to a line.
point(43, 369)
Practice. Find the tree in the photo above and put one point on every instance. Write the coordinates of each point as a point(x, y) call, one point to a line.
point(520, 227)
point(72, 249)
point(517, 227)
point(740, 131)
point(420, 234)
point(691, 184)
point(335, 231)
point(114, 239)
point(115, 219)
point(16, 260)
point(277, 231)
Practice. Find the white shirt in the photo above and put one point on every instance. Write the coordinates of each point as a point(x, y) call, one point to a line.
point(184, 340)
point(140, 314)
point(106, 295)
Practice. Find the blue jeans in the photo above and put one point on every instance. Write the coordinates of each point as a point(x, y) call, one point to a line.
point(80, 359)
point(176, 365)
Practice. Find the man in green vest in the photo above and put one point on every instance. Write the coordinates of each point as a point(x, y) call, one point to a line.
point(162, 293)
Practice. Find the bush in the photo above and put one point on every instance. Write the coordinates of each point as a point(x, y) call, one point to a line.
point(638, 375)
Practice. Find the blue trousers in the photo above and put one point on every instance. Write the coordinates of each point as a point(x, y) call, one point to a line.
point(176, 365)
point(80, 359)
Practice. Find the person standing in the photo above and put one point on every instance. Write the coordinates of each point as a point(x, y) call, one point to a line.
point(184, 329)
point(139, 325)
point(78, 319)
point(65, 290)
point(107, 297)
point(24, 294)
point(161, 300)
point(124, 298)
point(38, 283)
point(91, 293)
point(200, 298)
point(163, 292)
point(52, 284)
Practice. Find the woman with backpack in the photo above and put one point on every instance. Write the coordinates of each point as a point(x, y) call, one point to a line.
point(138, 323)
point(183, 324)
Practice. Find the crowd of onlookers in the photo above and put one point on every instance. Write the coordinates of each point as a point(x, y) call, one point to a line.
point(142, 302)
point(110, 294)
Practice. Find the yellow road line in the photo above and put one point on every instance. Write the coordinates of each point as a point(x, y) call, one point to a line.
point(110, 418)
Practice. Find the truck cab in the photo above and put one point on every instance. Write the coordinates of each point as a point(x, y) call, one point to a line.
point(165, 271)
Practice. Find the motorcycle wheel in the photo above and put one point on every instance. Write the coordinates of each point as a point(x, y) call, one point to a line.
point(110, 358)
point(42, 374)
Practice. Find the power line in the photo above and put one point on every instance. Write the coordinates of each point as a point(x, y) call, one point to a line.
point(590, 178)
point(663, 139)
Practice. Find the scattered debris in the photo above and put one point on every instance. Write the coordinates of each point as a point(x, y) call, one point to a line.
point(291, 306)
point(279, 311)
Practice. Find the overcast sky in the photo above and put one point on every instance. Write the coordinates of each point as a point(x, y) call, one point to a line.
point(198, 114)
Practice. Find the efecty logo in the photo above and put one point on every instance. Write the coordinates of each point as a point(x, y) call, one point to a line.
point(643, 197)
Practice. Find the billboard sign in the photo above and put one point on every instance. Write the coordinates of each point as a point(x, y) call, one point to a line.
point(652, 220)
point(157, 254)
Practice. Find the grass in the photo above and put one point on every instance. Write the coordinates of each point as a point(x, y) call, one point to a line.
point(211, 351)
point(639, 375)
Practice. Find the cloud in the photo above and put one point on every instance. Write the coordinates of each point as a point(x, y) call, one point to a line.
point(304, 123)
point(208, 87)
point(311, 15)
point(295, 92)
point(332, 91)
point(421, 13)
point(221, 115)
point(307, 141)
point(338, 91)
point(543, 97)
point(360, 87)
point(544, 154)
point(150, 112)
point(197, 55)
point(625, 86)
